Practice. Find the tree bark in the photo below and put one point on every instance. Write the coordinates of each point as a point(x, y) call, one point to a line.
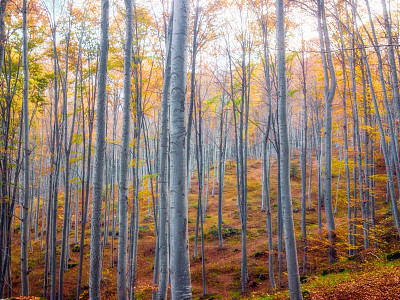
point(163, 232)
point(95, 238)
point(288, 226)
point(329, 93)
point(179, 267)
point(25, 206)
point(124, 157)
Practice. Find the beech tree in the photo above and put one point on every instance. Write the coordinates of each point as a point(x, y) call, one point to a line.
point(329, 93)
point(25, 207)
point(123, 184)
point(288, 227)
point(95, 238)
point(179, 256)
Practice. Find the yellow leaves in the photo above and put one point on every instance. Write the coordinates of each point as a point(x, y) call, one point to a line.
point(144, 193)
point(72, 160)
point(75, 180)
point(132, 163)
point(77, 139)
point(116, 142)
point(379, 177)
point(150, 176)
point(366, 127)
point(133, 142)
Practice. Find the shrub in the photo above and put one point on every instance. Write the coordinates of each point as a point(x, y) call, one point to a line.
point(393, 256)
point(294, 170)
point(226, 232)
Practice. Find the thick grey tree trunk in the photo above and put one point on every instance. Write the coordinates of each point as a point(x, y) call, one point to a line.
point(124, 157)
point(288, 226)
point(179, 268)
point(95, 238)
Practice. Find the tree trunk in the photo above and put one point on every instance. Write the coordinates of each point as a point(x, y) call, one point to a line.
point(329, 93)
point(304, 163)
point(288, 226)
point(179, 268)
point(95, 238)
point(220, 174)
point(163, 232)
point(267, 166)
point(25, 206)
point(124, 157)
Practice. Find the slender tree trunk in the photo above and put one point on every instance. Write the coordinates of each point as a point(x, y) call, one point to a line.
point(267, 166)
point(200, 176)
point(25, 206)
point(163, 232)
point(85, 187)
point(290, 242)
point(124, 157)
point(67, 152)
point(345, 138)
point(304, 164)
point(192, 87)
point(329, 93)
point(220, 174)
point(267, 154)
point(55, 161)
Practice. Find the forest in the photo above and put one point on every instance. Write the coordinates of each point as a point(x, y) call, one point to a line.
point(199, 149)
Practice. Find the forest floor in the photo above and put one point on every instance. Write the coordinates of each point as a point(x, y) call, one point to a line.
point(368, 275)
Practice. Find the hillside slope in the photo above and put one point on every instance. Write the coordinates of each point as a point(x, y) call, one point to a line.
point(366, 276)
